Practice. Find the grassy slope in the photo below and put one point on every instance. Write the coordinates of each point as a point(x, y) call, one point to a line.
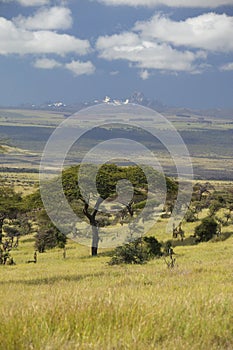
point(82, 303)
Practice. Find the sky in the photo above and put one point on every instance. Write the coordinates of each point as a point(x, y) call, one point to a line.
point(177, 51)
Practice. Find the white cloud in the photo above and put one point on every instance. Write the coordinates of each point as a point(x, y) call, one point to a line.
point(210, 31)
point(14, 40)
point(166, 45)
point(76, 67)
point(80, 68)
point(28, 2)
point(227, 67)
point(46, 18)
point(46, 63)
point(147, 54)
point(144, 74)
point(170, 3)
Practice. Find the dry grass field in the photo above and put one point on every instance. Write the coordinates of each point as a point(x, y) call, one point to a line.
point(83, 303)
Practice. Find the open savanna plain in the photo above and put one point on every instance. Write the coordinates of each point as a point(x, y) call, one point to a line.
point(24, 133)
point(83, 303)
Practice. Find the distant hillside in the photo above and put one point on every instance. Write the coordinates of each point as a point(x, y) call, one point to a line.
point(5, 149)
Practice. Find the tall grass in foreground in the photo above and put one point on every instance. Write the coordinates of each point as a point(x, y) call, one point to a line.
point(82, 303)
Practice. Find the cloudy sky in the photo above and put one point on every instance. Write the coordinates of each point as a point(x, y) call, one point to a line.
point(176, 51)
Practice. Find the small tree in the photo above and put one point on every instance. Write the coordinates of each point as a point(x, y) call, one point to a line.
point(10, 204)
point(138, 251)
point(153, 247)
point(206, 230)
point(214, 207)
point(49, 238)
point(190, 216)
point(48, 235)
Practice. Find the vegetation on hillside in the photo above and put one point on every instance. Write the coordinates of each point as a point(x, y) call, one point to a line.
point(22, 215)
point(106, 182)
point(67, 300)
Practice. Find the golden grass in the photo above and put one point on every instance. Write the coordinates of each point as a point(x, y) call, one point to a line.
point(82, 303)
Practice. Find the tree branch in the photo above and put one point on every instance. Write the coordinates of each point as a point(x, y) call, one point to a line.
point(130, 208)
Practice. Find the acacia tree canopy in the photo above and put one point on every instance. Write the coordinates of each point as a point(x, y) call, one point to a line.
point(10, 204)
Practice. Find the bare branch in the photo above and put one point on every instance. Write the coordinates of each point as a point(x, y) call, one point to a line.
point(85, 211)
point(98, 202)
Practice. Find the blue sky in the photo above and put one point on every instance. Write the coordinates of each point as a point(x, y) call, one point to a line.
point(176, 51)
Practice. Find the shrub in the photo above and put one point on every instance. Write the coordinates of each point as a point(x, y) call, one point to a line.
point(206, 230)
point(137, 252)
point(190, 216)
point(152, 246)
point(48, 238)
point(214, 207)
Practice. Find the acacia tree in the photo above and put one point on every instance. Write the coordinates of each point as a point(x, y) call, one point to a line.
point(48, 236)
point(202, 188)
point(105, 183)
point(10, 205)
point(106, 180)
point(124, 187)
point(91, 215)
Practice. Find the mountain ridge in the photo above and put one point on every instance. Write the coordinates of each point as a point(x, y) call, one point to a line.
point(136, 97)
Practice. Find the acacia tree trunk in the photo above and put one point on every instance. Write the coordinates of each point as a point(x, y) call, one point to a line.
point(1, 224)
point(95, 240)
point(94, 225)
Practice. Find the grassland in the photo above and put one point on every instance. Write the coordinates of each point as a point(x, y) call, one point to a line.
point(22, 182)
point(82, 303)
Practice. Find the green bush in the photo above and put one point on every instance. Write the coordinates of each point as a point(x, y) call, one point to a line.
point(190, 216)
point(206, 230)
point(48, 238)
point(137, 252)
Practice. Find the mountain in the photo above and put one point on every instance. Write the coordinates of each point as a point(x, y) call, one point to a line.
point(136, 97)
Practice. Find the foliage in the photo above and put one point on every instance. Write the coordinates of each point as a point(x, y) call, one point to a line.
point(32, 201)
point(10, 201)
point(108, 177)
point(153, 247)
point(10, 204)
point(215, 206)
point(190, 216)
point(48, 236)
point(136, 252)
point(79, 183)
point(17, 227)
point(206, 230)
